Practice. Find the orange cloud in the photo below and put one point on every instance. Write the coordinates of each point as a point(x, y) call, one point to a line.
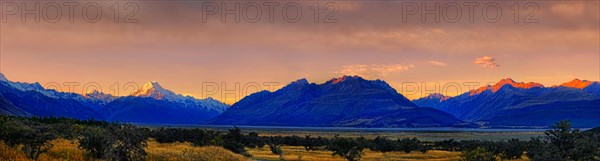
point(487, 62)
point(438, 63)
point(374, 70)
point(568, 9)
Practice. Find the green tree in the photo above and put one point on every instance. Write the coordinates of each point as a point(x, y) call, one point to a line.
point(129, 144)
point(96, 142)
point(564, 143)
point(37, 141)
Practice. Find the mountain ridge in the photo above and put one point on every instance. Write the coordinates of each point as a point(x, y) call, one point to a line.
point(31, 99)
point(345, 101)
point(498, 105)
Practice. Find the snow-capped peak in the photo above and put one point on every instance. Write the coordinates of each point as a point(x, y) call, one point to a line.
point(437, 96)
point(3, 78)
point(155, 90)
point(92, 92)
point(99, 96)
point(577, 83)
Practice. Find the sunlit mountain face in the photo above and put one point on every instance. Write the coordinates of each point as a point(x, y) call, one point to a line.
point(510, 103)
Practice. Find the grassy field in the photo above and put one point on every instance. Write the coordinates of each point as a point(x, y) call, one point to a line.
point(298, 153)
point(501, 134)
point(65, 150)
point(425, 136)
point(295, 153)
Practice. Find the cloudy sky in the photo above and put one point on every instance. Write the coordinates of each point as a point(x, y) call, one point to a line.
point(185, 45)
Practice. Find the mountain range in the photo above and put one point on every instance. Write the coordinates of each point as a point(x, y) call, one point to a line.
point(512, 104)
point(347, 101)
point(149, 104)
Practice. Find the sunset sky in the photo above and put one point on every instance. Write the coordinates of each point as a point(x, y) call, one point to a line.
point(172, 45)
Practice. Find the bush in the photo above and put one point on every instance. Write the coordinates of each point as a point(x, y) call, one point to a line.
point(477, 154)
point(129, 144)
point(252, 140)
point(115, 142)
point(564, 143)
point(233, 141)
point(513, 149)
point(35, 139)
point(408, 145)
point(384, 144)
point(347, 148)
point(95, 142)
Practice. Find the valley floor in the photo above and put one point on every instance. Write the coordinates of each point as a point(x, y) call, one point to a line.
point(425, 134)
point(65, 150)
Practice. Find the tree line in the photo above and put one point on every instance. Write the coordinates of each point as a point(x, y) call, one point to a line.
point(118, 141)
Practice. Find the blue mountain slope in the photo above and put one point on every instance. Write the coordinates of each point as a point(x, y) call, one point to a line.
point(152, 104)
point(593, 88)
point(581, 113)
point(7, 108)
point(38, 104)
point(512, 104)
point(345, 101)
point(432, 100)
point(149, 110)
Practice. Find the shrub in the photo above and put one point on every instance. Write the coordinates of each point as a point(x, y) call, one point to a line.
point(115, 142)
point(513, 149)
point(95, 141)
point(10, 153)
point(408, 145)
point(252, 140)
point(383, 144)
point(564, 143)
point(477, 154)
point(347, 148)
point(233, 141)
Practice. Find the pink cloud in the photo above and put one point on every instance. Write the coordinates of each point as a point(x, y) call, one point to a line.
point(487, 62)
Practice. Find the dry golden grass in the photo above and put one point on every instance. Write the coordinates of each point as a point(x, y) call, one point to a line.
point(62, 150)
point(65, 150)
point(185, 151)
point(9, 153)
point(298, 153)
